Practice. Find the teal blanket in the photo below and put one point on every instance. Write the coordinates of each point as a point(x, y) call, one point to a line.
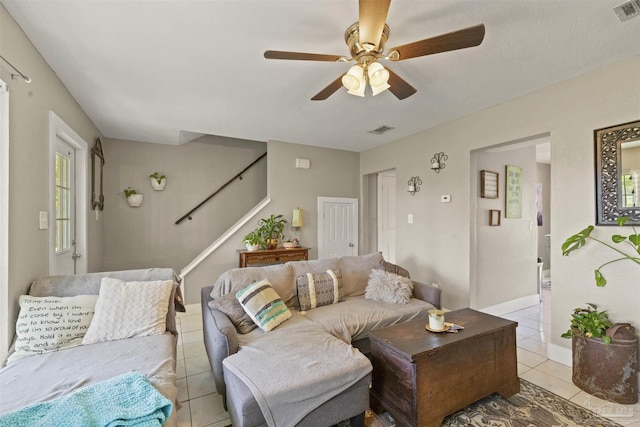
point(125, 400)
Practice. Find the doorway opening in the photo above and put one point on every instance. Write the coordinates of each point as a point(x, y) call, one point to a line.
point(505, 274)
point(386, 206)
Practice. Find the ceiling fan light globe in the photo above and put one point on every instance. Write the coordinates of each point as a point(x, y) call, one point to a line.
point(359, 92)
point(350, 82)
point(378, 75)
point(379, 88)
point(354, 79)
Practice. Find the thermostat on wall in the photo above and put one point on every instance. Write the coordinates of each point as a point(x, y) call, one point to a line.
point(302, 163)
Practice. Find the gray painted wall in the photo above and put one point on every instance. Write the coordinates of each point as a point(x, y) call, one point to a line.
point(333, 173)
point(147, 236)
point(568, 112)
point(29, 107)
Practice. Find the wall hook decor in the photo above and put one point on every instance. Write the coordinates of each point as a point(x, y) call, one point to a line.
point(437, 161)
point(414, 185)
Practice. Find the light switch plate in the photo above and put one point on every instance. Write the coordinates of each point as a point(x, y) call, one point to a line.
point(445, 198)
point(410, 219)
point(43, 220)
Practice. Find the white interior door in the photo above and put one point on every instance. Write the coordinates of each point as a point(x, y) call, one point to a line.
point(387, 215)
point(68, 199)
point(5, 312)
point(337, 227)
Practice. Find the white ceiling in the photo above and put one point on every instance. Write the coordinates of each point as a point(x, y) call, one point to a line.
point(169, 71)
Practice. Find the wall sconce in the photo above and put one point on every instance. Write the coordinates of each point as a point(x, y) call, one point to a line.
point(414, 185)
point(297, 219)
point(437, 162)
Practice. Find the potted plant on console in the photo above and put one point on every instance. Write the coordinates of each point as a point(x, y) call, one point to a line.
point(271, 229)
point(605, 355)
point(253, 241)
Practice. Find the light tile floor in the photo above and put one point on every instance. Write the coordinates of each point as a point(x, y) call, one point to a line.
point(202, 406)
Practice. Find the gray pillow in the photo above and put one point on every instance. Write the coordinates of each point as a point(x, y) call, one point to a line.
point(388, 287)
point(229, 305)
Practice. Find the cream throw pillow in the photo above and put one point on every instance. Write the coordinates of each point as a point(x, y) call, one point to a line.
point(51, 323)
point(129, 309)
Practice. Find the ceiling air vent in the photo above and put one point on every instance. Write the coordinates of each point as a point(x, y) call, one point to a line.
point(628, 10)
point(383, 129)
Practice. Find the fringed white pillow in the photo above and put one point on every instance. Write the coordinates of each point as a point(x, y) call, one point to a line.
point(388, 287)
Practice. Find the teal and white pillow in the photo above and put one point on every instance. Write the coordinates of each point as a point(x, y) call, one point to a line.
point(263, 304)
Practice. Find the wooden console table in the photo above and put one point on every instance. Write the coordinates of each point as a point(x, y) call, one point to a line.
point(272, 256)
point(420, 376)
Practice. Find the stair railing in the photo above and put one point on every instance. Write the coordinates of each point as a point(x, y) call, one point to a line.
point(222, 187)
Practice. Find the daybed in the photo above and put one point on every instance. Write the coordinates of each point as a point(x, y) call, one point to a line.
point(314, 363)
point(43, 377)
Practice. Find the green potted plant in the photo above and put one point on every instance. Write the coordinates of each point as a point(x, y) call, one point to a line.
point(632, 241)
point(271, 229)
point(253, 240)
point(589, 322)
point(133, 198)
point(158, 182)
point(605, 356)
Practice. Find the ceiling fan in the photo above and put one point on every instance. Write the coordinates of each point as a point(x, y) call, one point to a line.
point(366, 39)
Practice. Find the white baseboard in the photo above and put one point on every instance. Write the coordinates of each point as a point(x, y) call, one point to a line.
point(511, 306)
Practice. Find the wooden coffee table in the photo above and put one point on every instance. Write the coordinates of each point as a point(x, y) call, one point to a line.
point(420, 377)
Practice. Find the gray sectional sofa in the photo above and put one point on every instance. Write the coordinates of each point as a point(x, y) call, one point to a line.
point(250, 367)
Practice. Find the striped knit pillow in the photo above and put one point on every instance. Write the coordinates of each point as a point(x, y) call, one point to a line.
point(316, 290)
point(263, 304)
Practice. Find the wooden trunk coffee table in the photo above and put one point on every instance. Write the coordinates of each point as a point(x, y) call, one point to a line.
point(420, 377)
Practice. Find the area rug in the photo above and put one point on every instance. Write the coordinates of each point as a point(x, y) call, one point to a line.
point(532, 407)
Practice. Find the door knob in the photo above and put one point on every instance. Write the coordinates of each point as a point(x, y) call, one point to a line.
point(75, 256)
point(351, 245)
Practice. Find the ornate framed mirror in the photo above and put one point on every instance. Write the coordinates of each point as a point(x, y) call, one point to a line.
point(97, 176)
point(617, 152)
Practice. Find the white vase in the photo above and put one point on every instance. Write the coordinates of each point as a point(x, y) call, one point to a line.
point(135, 200)
point(252, 248)
point(158, 186)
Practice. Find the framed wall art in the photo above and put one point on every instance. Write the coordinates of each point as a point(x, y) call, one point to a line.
point(513, 192)
point(494, 217)
point(489, 186)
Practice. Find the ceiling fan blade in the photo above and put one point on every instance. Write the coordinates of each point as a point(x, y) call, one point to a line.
point(329, 90)
point(372, 17)
point(399, 87)
point(460, 39)
point(301, 56)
